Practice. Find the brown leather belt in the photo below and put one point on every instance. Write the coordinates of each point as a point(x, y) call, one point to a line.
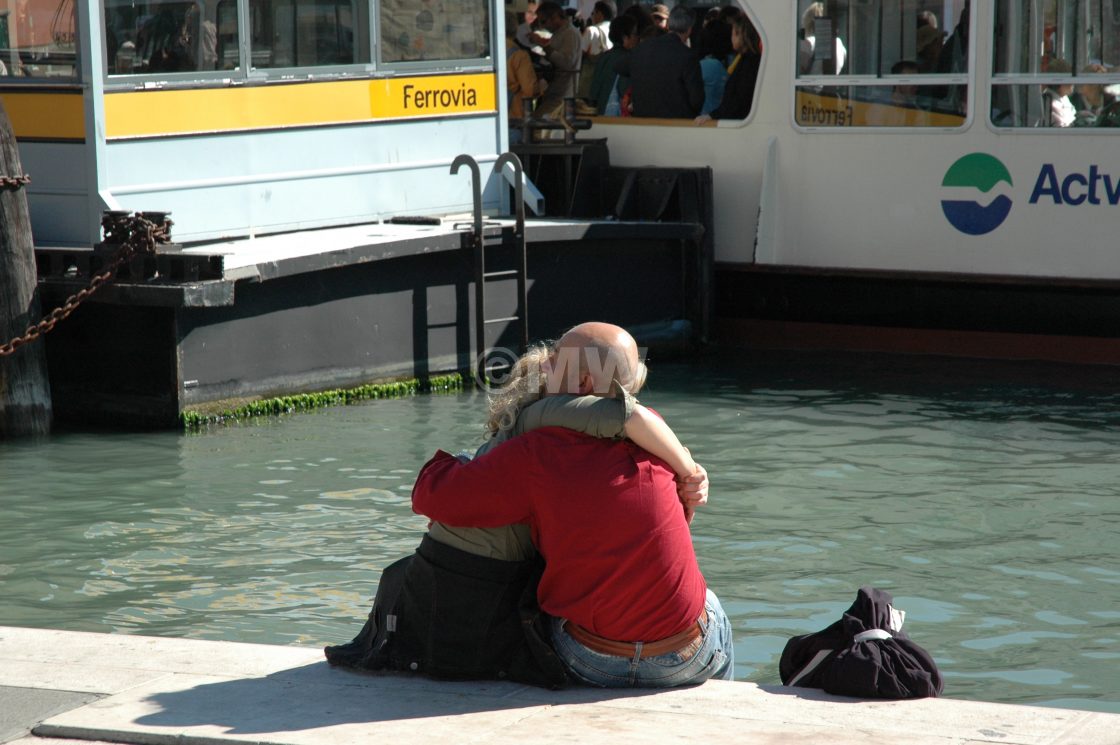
point(679, 642)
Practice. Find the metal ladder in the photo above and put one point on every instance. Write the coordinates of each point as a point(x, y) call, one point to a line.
point(481, 240)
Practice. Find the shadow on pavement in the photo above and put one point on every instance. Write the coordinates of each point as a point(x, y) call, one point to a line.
point(317, 696)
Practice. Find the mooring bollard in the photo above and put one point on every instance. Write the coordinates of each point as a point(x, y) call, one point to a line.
point(25, 397)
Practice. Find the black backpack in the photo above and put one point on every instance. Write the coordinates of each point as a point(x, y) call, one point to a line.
point(865, 655)
point(455, 616)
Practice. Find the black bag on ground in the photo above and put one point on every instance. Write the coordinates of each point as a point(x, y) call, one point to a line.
point(865, 654)
point(454, 615)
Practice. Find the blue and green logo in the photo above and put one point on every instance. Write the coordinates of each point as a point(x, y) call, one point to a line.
point(976, 171)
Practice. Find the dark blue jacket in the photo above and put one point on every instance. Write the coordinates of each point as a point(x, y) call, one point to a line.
point(665, 77)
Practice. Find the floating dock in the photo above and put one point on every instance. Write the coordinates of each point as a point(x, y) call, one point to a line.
point(214, 325)
point(80, 687)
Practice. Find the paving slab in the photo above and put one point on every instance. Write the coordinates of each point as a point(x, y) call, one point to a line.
point(301, 706)
point(22, 708)
point(33, 740)
point(294, 698)
point(795, 707)
point(61, 676)
point(144, 653)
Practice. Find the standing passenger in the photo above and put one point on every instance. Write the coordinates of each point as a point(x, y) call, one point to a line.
point(665, 72)
point(526, 28)
point(641, 16)
point(954, 59)
point(596, 36)
point(595, 42)
point(826, 58)
point(521, 78)
point(928, 42)
point(606, 80)
point(715, 52)
point(562, 50)
point(738, 92)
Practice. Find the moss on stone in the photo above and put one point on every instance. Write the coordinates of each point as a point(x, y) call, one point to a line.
point(193, 420)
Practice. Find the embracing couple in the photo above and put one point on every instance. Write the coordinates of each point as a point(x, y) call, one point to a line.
point(578, 474)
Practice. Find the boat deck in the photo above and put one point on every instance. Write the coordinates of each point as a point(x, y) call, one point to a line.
point(204, 275)
point(214, 325)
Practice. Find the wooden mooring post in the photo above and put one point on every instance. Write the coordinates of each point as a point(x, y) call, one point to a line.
point(25, 398)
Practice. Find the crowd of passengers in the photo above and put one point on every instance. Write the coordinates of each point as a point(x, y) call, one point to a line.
point(647, 61)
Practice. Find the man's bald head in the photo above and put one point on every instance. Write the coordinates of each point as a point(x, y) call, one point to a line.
point(592, 357)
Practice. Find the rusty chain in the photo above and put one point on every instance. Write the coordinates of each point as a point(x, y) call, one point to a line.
point(136, 234)
point(14, 182)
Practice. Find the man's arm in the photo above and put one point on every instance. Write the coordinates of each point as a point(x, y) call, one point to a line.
point(615, 417)
point(483, 493)
point(593, 415)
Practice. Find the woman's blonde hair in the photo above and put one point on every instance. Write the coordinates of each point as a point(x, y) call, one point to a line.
point(528, 382)
point(526, 385)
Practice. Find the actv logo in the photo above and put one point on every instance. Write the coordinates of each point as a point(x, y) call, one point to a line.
point(976, 171)
point(983, 172)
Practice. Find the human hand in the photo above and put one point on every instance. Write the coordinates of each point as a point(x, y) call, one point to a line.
point(693, 490)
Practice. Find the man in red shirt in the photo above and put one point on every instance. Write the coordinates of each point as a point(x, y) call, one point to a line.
point(629, 605)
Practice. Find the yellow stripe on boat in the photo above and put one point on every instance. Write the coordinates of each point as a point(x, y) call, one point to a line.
point(814, 110)
point(54, 115)
point(130, 114)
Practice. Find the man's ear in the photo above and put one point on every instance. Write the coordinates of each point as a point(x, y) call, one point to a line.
point(586, 384)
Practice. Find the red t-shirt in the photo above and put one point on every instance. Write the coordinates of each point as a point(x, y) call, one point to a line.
point(604, 514)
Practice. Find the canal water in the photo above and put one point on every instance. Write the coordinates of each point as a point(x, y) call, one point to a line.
point(982, 495)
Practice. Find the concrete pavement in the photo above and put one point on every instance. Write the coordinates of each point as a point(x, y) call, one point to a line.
point(75, 686)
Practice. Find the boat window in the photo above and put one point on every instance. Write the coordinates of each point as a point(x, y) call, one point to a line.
point(194, 36)
point(422, 30)
point(1056, 64)
point(198, 40)
point(876, 63)
point(170, 37)
point(37, 39)
point(308, 33)
point(727, 38)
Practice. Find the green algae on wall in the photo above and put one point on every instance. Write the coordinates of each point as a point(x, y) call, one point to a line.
point(193, 420)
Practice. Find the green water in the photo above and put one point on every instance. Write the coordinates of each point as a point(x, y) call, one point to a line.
point(982, 495)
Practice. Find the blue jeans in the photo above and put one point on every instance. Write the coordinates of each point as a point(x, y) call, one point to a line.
point(714, 659)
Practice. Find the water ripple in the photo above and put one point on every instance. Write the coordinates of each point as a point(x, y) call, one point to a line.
point(981, 495)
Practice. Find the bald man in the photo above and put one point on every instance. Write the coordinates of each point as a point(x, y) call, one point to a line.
point(628, 604)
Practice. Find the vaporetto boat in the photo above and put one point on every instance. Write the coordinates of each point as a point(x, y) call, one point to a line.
point(951, 194)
